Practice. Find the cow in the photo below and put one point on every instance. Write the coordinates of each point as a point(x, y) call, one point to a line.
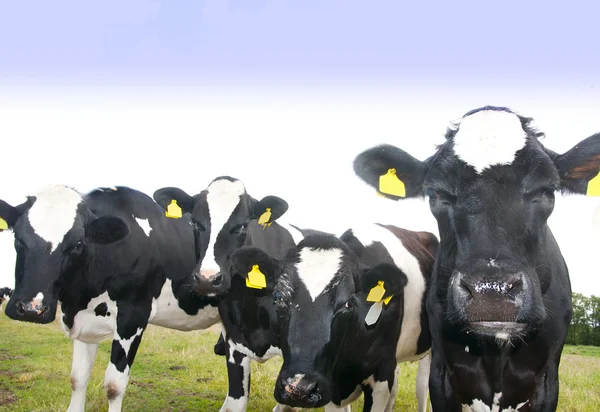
point(5, 293)
point(500, 300)
point(335, 343)
point(222, 216)
point(115, 262)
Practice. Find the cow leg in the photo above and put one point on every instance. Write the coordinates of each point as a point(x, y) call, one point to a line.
point(393, 391)
point(84, 355)
point(132, 319)
point(423, 382)
point(238, 374)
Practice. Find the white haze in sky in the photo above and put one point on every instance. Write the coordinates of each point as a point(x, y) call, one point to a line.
point(297, 146)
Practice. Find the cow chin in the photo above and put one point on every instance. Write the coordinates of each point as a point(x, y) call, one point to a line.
point(501, 331)
point(21, 310)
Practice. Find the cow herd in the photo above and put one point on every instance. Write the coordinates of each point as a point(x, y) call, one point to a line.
point(484, 310)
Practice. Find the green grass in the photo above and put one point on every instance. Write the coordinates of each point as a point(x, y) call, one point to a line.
point(177, 371)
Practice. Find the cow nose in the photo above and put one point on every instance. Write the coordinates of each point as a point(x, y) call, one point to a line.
point(208, 273)
point(509, 286)
point(30, 310)
point(301, 391)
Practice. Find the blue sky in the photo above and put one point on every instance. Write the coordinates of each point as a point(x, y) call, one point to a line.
point(378, 43)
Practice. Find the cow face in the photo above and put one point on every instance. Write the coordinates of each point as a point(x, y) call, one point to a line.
point(220, 216)
point(53, 231)
point(491, 189)
point(321, 304)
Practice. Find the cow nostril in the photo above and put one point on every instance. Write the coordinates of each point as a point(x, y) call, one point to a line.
point(196, 277)
point(466, 287)
point(217, 279)
point(20, 308)
point(513, 288)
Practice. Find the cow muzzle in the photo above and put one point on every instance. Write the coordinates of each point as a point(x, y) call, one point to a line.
point(302, 391)
point(209, 282)
point(490, 304)
point(30, 311)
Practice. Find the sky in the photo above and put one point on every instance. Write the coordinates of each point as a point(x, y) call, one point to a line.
point(283, 95)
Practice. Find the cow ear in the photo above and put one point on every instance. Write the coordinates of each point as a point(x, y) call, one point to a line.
point(106, 229)
point(391, 171)
point(10, 214)
point(269, 209)
point(251, 262)
point(579, 167)
point(166, 195)
point(386, 276)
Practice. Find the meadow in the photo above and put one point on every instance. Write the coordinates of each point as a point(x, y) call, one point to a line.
point(178, 371)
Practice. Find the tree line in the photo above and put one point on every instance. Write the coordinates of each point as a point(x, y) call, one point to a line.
point(585, 323)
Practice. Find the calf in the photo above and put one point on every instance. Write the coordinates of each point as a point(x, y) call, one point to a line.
point(115, 263)
point(500, 299)
point(224, 220)
point(5, 293)
point(337, 343)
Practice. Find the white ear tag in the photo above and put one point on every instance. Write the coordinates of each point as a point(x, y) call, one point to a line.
point(374, 313)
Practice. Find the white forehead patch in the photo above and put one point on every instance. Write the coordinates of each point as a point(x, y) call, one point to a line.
point(488, 138)
point(53, 213)
point(144, 224)
point(317, 268)
point(223, 197)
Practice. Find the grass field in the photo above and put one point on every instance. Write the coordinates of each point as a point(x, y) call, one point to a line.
point(177, 371)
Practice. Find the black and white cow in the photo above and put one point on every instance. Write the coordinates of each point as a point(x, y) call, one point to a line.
point(5, 294)
point(330, 353)
point(116, 263)
point(225, 219)
point(500, 301)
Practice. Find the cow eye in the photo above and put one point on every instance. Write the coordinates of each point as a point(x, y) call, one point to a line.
point(350, 303)
point(239, 228)
point(546, 192)
point(76, 247)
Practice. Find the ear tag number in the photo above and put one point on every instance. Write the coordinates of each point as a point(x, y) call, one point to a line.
point(593, 188)
point(256, 279)
point(3, 224)
point(390, 184)
point(173, 210)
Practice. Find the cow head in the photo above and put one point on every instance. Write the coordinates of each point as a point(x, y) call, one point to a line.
point(491, 188)
point(53, 231)
point(320, 296)
point(220, 216)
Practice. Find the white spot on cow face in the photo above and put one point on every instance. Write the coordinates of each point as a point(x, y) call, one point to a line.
point(38, 299)
point(53, 213)
point(488, 138)
point(223, 197)
point(145, 225)
point(317, 268)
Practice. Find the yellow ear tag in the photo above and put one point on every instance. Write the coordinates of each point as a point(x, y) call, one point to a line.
point(256, 279)
point(266, 225)
point(3, 224)
point(376, 292)
point(387, 300)
point(593, 188)
point(391, 185)
point(264, 218)
point(173, 210)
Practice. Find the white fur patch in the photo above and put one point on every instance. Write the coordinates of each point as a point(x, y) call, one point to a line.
point(317, 268)
point(223, 197)
point(489, 138)
point(126, 343)
point(38, 299)
point(145, 225)
point(90, 328)
point(478, 406)
point(167, 313)
point(271, 352)
point(413, 292)
point(53, 213)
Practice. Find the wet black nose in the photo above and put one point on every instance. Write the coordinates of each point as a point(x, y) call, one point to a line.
point(29, 311)
point(301, 391)
point(472, 287)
